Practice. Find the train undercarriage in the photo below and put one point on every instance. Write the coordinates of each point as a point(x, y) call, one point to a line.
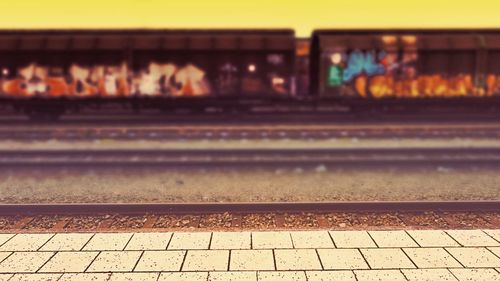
point(54, 109)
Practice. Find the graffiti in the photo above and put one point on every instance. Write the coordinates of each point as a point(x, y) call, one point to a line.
point(155, 79)
point(32, 81)
point(360, 63)
point(425, 86)
point(191, 81)
point(492, 84)
point(388, 74)
point(107, 81)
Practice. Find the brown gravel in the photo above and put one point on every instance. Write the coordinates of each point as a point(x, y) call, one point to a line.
point(216, 221)
point(43, 222)
point(301, 220)
point(86, 222)
point(259, 221)
point(340, 220)
point(164, 221)
point(8, 222)
point(492, 218)
point(426, 219)
point(364, 220)
point(380, 220)
point(131, 222)
point(465, 220)
point(170, 221)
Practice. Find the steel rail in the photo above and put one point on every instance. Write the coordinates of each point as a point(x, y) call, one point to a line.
point(252, 151)
point(251, 157)
point(231, 134)
point(250, 207)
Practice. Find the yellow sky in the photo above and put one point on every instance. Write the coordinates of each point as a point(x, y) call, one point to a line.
point(303, 15)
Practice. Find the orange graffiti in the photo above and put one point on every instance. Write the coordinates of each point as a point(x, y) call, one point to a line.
point(460, 85)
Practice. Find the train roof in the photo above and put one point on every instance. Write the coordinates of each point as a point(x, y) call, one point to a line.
point(401, 31)
point(430, 39)
point(132, 31)
point(84, 39)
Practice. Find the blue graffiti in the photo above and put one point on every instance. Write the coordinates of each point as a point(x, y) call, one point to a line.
point(358, 62)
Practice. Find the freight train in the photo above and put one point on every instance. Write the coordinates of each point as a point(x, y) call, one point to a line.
point(47, 73)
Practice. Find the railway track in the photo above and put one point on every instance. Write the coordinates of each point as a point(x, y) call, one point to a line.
point(237, 216)
point(270, 117)
point(191, 133)
point(253, 207)
point(243, 130)
point(252, 157)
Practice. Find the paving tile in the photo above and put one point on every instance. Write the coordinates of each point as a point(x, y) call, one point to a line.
point(281, 276)
point(432, 238)
point(330, 276)
point(26, 242)
point(483, 274)
point(191, 240)
point(431, 257)
point(149, 241)
point(24, 262)
point(379, 275)
point(352, 239)
point(252, 260)
point(232, 276)
point(67, 242)
point(184, 276)
point(69, 262)
point(230, 240)
point(475, 257)
point(201, 260)
point(311, 239)
point(134, 276)
point(299, 259)
point(85, 277)
point(428, 275)
point(386, 258)
point(4, 237)
point(342, 259)
point(108, 242)
point(495, 250)
point(4, 255)
point(161, 261)
point(35, 277)
point(271, 240)
point(472, 238)
point(495, 233)
point(392, 239)
point(5, 277)
point(115, 261)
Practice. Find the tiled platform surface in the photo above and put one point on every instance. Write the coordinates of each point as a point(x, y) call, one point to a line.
point(237, 256)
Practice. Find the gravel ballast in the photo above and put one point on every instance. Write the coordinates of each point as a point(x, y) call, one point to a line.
point(322, 183)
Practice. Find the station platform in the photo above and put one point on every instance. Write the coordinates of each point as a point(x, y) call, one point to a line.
point(250, 256)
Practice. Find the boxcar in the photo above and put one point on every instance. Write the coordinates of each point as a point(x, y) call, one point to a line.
point(45, 73)
point(53, 71)
point(415, 68)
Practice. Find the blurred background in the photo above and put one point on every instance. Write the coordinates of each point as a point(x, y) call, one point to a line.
point(279, 119)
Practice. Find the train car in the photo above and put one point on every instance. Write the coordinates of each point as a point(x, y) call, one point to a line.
point(406, 69)
point(46, 73)
point(50, 72)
